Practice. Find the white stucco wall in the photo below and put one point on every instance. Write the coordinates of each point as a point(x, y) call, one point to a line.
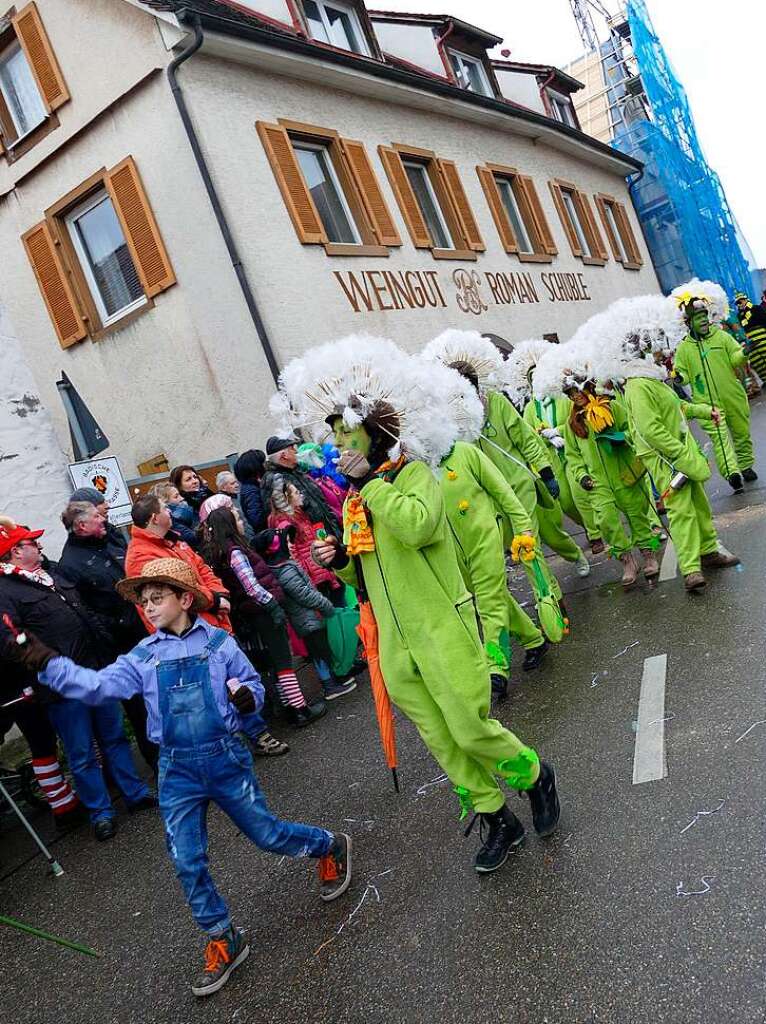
point(520, 88)
point(34, 485)
point(415, 43)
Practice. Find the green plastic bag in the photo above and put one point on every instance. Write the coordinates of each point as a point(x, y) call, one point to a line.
point(552, 622)
point(343, 639)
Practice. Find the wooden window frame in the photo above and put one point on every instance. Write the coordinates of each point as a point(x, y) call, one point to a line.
point(599, 255)
point(530, 210)
point(633, 259)
point(8, 35)
point(438, 170)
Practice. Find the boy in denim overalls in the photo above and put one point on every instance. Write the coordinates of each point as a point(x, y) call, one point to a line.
point(199, 689)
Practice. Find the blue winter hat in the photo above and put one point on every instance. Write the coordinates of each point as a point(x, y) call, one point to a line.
point(88, 494)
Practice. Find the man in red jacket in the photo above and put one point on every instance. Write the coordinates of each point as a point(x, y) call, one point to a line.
point(152, 537)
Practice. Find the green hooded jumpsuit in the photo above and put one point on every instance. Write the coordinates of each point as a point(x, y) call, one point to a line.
point(478, 499)
point(431, 655)
point(575, 502)
point(617, 475)
point(665, 445)
point(716, 383)
point(505, 431)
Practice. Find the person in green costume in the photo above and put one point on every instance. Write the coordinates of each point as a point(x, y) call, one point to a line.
point(398, 544)
point(664, 443)
point(706, 361)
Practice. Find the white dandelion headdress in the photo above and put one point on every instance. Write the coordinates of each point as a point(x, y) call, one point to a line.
point(468, 350)
point(519, 367)
point(695, 294)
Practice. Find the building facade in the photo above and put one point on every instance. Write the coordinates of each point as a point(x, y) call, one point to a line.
point(374, 173)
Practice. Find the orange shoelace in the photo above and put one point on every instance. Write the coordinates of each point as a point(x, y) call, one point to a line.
point(216, 954)
point(328, 868)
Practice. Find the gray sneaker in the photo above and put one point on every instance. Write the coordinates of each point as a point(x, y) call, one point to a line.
point(223, 954)
point(334, 869)
point(337, 689)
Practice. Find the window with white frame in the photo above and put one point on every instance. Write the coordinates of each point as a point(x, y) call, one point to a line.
point(562, 108)
point(336, 24)
point(577, 225)
point(20, 92)
point(101, 248)
point(470, 73)
point(427, 201)
point(511, 206)
point(322, 179)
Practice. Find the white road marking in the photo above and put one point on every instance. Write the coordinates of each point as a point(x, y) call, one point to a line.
point(649, 762)
point(669, 566)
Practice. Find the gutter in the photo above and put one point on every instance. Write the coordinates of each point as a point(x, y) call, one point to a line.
point(193, 21)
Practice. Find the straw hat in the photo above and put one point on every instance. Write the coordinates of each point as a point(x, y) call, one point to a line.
point(171, 571)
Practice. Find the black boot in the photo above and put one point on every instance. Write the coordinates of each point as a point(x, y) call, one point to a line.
point(545, 801)
point(301, 717)
point(735, 482)
point(534, 656)
point(499, 686)
point(499, 832)
point(749, 475)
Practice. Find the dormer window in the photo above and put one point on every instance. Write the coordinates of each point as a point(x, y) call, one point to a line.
point(470, 73)
point(336, 24)
point(561, 108)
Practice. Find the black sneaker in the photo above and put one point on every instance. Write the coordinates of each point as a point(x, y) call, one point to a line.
point(499, 686)
point(223, 954)
point(545, 801)
point(301, 717)
point(500, 832)
point(337, 689)
point(749, 475)
point(334, 869)
point(105, 828)
point(735, 482)
point(146, 803)
point(534, 657)
point(78, 815)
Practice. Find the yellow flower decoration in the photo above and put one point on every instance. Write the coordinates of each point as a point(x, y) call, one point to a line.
point(463, 507)
point(598, 413)
point(451, 474)
point(523, 548)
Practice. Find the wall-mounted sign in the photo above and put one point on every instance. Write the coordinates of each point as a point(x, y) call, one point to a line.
point(106, 477)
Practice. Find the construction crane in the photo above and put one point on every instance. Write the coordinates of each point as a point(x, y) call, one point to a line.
point(582, 10)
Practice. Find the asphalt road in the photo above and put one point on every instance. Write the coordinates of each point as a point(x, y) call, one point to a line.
point(592, 925)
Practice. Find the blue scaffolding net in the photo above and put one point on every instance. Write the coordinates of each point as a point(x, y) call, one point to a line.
point(690, 228)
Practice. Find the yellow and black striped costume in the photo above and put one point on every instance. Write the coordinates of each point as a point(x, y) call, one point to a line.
point(753, 320)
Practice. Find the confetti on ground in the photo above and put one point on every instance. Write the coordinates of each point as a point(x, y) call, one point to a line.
point(371, 889)
point(762, 721)
point(667, 718)
point(706, 879)
point(626, 649)
point(421, 791)
point(594, 680)
point(701, 814)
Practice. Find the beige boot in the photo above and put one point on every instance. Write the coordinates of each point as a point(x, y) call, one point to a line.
point(651, 565)
point(694, 581)
point(629, 569)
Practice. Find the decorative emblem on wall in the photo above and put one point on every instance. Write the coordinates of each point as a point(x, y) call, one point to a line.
point(468, 288)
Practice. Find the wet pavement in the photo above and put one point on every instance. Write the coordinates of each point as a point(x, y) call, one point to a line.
point(640, 909)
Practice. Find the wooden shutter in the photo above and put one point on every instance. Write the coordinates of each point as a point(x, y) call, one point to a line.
point(456, 192)
point(295, 192)
point(141, 232)
point(566, 223)
point(591, 228)
point(369, 190)
point(51, 275)
point(614, 245)
point(527, 187)
point(628, 238)
point(42, 60)
point(496, 208)
point(405, 197)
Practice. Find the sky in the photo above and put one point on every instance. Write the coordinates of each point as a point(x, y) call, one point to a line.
point(717, 49)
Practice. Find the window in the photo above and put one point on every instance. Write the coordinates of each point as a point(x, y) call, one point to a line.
point(329, 188)
point(518, 214)
point(31, 84)
point(98, 255)
point(470, 73)
point(619, 232)
point(579, 224)
point(335, 24)
point(561, 106)
point(432, 200)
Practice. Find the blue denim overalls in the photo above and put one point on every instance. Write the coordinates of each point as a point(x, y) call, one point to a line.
point(200, 761)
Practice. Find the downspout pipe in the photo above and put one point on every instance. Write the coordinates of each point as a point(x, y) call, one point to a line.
point(188, 51)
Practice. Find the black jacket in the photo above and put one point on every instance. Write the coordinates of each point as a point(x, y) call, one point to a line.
point(95, 564)
point(57, 616)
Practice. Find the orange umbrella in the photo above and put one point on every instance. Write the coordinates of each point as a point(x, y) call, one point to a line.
point(368, 634)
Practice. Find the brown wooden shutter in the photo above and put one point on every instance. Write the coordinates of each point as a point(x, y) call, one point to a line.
point(456, 192)
point(303, 213)
point(405, 197)
point(527, 187)
point(566, 223)
point(42, 60)
point(141, 231)
point(59, 296)
point(614, 244)
point(369, 190)
point(635, 258)
point(591, 228)
point(496, 208)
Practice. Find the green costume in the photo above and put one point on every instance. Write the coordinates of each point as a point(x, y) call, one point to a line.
point(575, 502)
point(665, 445)
point(478, 499)
point(609, 459)
point(430, 652)
point(709, 368)
point(506, 432)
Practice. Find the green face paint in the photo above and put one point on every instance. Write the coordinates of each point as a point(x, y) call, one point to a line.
point(699, 322)
point(354, 439)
